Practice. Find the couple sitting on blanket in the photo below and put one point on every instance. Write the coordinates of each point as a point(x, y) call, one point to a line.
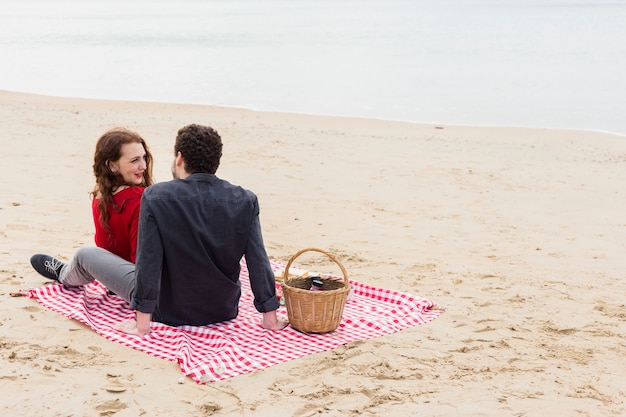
point(172, 249)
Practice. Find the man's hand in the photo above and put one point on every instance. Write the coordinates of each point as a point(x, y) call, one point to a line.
point(272, 322)
point(139, 327)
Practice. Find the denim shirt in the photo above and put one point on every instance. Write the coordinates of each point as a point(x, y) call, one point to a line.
point(193, 233)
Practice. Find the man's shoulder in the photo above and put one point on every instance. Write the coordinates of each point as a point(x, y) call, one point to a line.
point(229, 191)
point(162, 190)
point(234, 187)
point(158, 187)
point(193, 184)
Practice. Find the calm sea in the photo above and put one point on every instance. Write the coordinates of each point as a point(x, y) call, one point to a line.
point(541, 63)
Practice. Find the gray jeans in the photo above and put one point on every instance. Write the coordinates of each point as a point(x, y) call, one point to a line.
point(91, 263)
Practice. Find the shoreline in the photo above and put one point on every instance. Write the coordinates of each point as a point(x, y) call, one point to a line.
point(516, 232)
point(428, 123)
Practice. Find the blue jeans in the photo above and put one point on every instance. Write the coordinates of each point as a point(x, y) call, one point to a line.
point(92, 263)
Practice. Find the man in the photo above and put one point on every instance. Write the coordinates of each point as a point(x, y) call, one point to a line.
point(193, 232)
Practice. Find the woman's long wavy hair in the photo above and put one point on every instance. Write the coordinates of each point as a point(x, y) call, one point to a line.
point(109, 149)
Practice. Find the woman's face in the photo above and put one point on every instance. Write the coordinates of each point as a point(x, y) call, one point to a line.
point(131, 164)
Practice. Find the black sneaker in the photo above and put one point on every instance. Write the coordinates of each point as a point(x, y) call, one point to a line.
point(47, 266)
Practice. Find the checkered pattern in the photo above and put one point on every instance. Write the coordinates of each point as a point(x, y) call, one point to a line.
point(224, 350)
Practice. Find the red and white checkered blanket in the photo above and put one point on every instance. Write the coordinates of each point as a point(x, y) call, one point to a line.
point(224, 350)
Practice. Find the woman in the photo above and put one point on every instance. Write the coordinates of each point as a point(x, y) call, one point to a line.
point(123, 169)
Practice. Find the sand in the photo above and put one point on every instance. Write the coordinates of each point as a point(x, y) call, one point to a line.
point(518, 233)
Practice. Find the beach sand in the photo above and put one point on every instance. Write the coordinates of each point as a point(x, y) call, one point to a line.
point(518, 233)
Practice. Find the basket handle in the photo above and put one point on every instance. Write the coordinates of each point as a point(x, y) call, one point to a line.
point(330, 255)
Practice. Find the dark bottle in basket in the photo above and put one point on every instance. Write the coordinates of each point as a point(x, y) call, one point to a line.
point(316, 284)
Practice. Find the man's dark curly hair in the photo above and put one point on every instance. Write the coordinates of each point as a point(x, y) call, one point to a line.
point(201, 147)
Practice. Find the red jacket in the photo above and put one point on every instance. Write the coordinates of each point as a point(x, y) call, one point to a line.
point(123, 223)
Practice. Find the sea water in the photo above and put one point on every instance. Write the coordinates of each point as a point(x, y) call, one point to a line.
point(541, 63)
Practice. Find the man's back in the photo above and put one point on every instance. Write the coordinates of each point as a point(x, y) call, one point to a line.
point(192, 234)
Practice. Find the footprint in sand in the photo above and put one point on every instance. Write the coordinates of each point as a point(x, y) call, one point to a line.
point(110, 407)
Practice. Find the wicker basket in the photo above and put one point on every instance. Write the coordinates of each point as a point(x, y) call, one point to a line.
point(315, 311)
